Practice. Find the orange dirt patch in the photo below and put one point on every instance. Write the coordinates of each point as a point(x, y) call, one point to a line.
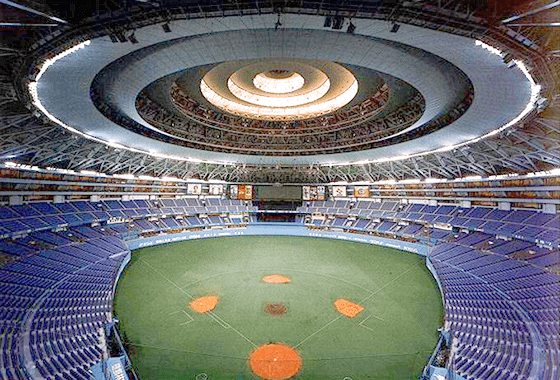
point(276, 279)
point(275, 361)
point(204, 304)
point(347, 308)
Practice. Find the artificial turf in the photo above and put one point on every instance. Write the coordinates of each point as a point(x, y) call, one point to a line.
point(391, 339)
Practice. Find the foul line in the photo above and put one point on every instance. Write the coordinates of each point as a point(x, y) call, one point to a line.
point(211, 314)
point(318, 331)
point(185, 351)
point(368, 317)
point(387, 284)
point(370, 356)
point(365, 299)
point(219, 320)
point(165, 277)
point(191, 319)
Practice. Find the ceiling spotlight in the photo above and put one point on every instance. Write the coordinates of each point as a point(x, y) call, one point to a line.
point(133, 39)
point(166, 28)
point(351, 28)
point(395, 28)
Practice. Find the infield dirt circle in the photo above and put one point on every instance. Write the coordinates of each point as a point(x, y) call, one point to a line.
point(275, 361)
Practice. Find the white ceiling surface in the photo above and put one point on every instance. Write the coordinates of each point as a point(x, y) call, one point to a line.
point(500, 93)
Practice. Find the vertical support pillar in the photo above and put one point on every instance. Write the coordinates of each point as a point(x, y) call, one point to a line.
point(506, 206)
point(549, 208)
point(16, 200)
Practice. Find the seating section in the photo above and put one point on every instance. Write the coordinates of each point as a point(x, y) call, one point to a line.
point(500, 307)
point(55, 300)
point(527, 225)
point(500, 281)
point(17, 220)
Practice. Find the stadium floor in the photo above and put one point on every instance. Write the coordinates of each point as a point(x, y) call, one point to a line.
point(391, 339)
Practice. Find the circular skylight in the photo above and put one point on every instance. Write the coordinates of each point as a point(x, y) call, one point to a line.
point(274, 90)
point(270, 82)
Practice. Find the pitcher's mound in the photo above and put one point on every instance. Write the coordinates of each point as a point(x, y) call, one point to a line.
point(275, 361)
point(276, 279)
point(347, 308)
point(204, 304)
point(275, 309)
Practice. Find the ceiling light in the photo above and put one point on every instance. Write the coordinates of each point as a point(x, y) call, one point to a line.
point(278, 85)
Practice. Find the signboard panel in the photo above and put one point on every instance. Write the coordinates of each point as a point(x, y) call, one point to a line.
point(339, 191)
point(361, 191)
point(314, 193)
point(194, 189)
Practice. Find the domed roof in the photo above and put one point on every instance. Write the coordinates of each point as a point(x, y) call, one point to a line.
point(460, 86)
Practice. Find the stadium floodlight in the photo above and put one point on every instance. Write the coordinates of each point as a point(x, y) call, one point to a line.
point(148, 178)
point(386, 182)
point(92, 172)
point(491, 49)
point(125, 176)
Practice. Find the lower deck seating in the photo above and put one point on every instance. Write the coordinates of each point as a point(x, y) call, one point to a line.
point(55, 306)
point(502, 298)
point(500, 310)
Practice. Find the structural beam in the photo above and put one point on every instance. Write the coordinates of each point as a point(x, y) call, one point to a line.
point(31, 10)
point(554, 4)
point(24, 25)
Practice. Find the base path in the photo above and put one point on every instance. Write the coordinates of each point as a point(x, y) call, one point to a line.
point(275, 361)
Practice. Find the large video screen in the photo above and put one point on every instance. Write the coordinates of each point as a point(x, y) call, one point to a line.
point(282, 193)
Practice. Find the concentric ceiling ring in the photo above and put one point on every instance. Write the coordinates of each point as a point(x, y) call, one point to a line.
point(429, 60)
point(326, 87)
point(278, 85)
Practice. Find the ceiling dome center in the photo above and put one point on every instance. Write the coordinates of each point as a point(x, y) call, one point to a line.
point(278, 81)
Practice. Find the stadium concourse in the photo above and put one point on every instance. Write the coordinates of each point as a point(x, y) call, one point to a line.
point(426, 126)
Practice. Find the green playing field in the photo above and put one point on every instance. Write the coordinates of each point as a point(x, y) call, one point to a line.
point(391, 339)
